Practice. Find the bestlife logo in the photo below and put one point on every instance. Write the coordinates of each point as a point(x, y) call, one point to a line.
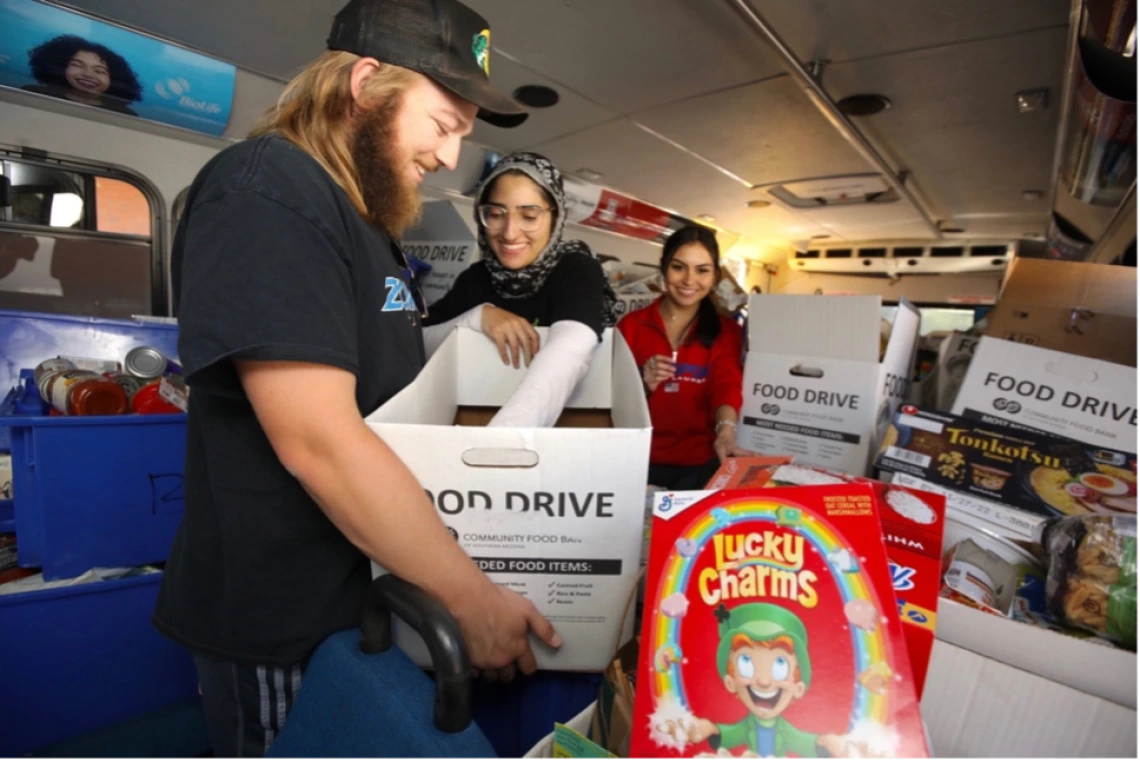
point(178, 90)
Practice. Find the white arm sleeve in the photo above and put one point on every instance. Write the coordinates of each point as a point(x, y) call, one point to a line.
point(555, 371)
point(434, 335)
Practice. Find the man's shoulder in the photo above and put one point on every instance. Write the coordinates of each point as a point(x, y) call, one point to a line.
point(276, 169)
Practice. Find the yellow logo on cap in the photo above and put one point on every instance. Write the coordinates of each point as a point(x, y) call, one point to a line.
point(481, 47)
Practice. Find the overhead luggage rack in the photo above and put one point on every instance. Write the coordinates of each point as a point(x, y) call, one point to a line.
point(904, 258)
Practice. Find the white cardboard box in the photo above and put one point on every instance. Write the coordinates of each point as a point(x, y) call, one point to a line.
point(999, 688)
point(555, 514)
point(954, 357)
point(1091, 401)
point(813, 384)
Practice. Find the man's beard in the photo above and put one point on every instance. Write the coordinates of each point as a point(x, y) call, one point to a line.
point(393, 201)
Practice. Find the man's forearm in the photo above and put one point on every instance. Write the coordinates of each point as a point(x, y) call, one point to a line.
point(367, 491)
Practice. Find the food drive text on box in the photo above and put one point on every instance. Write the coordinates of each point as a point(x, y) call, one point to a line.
point(810, 396)
point(554, 504)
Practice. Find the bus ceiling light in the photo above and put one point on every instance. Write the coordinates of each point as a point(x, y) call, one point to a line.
point(589, 175)
point(834, 115)
point(1029, 101)
point(864, 104)
point(759, 203)
point(1032, 195)
point(706, 218)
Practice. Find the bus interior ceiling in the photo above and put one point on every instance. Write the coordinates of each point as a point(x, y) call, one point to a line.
point(687, 105)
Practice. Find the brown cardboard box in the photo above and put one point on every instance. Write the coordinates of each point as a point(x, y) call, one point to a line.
point(1074, 307)
point(613, 713)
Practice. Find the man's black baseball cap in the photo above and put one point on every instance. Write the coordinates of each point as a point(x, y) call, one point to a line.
point(441, 39)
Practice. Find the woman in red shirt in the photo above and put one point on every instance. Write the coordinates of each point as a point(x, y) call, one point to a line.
point(690, 361)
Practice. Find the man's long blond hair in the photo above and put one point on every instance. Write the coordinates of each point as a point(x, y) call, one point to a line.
point(316, 113)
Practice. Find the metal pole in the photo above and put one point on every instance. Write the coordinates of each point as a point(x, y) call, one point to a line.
point(1072, 61)
point(832, 113)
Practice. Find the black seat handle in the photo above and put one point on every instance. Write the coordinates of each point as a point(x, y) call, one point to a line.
point(390, 595)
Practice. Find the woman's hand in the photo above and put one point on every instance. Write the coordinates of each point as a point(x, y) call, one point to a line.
point(509, 331)
point(659, 368)
point(725, 444)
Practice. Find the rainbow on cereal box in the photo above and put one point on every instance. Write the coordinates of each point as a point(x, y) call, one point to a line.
point(765, 631)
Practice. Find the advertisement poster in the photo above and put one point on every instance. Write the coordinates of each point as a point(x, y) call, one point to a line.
point(62, 54)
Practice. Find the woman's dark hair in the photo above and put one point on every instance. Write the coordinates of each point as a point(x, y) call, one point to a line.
point(49, 61)
point(708, 320)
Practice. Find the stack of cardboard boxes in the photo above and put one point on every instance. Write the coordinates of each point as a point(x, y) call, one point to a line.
point(1042, 423)
point(558, 513)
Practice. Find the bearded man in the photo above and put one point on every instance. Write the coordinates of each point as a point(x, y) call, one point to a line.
point(297, 318)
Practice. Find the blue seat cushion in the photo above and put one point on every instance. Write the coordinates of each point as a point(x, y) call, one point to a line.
point(353, 704)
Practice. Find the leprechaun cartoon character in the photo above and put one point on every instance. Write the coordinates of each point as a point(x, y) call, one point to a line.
point(763, 660)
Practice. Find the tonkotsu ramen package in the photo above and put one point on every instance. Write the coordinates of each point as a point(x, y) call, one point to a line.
point(1092, 574)
point(771, 629)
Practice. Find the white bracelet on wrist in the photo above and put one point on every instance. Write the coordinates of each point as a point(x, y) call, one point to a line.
point(716, 429)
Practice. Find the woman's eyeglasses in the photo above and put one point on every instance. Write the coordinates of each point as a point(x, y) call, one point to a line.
point(527, 218)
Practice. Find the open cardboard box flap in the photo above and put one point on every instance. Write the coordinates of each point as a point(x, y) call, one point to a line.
point(1075, 307)
point(814, 385)
point(1099, 670)
point(465, 380)
point(838, 328)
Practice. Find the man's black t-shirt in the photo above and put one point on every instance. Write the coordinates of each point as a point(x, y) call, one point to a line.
point(272, 262)
point(574, 290)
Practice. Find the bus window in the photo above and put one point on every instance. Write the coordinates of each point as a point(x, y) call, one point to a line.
point(121, 208)
point(939, 319)
point(77, 242)
point(44, 196)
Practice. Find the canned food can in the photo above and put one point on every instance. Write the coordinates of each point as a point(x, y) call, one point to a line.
point(46, 382)
point(93, 364)
point(130, 384)
point(56, 386)
point(96, 396)
point(149, 401)
point(146, 363)
point(47, 367)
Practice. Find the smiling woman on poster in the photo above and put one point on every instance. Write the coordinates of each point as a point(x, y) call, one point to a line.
point(71, 56)
point(76, 69)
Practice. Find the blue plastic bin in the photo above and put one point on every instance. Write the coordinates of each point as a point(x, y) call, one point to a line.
point(96, 491)
point(81, 658)
point(7, 516)
point(29, 338)
point(88, 491)
point(515, 716)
